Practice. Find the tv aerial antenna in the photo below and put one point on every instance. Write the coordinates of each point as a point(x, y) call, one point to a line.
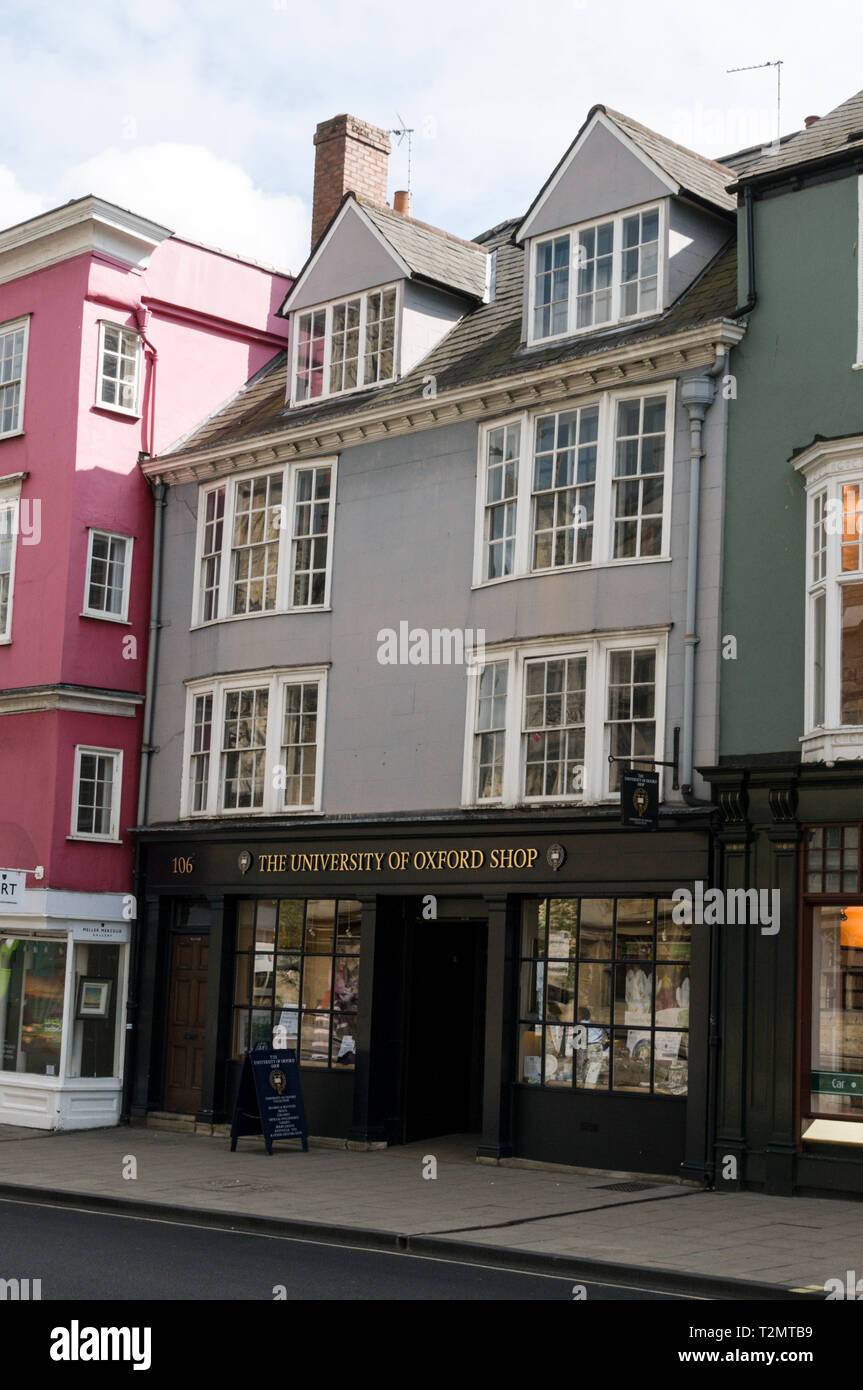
point(402, 131)
point(772, 63)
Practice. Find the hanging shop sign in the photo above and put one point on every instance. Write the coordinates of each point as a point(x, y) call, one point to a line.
point(639, 799)
point(269, 1100)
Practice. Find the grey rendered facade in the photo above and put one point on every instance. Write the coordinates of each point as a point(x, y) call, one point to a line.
point(398, 759)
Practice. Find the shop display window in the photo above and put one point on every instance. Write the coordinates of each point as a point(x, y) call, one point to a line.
point(94, 1019)
point(32, 991)
point(604, 995)
point(296, 978)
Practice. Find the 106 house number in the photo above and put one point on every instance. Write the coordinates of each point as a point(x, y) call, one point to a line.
point(182, 863)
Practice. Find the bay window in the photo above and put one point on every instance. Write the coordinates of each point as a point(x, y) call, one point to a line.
point(588, 485)
point(247, 564)
point(13, 370)
point(834, 602)
point(254, 743)
point(345, 345)
point(118, 386)
point(543, 718)
point(595, 275)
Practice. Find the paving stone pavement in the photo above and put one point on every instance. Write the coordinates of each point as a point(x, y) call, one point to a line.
point(796, 1242)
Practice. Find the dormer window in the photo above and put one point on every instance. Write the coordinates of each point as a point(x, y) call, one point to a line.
point(596, 274)
point(345, 346)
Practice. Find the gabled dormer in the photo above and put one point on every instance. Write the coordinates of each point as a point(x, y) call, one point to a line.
point(624, 224)
point(380, 289)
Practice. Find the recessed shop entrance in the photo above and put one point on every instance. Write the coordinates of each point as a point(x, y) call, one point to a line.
point(444, 1027)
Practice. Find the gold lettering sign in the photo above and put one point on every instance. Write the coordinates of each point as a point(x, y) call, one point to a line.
point(396, 860)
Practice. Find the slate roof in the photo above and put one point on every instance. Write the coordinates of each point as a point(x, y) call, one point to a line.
point(483, 346)
point(704, 177)
point(431, 253)
point(839, 131)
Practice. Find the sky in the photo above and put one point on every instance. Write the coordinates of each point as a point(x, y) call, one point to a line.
point(200, 114)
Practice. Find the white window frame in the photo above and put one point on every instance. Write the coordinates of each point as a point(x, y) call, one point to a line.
point(617, 218)
point(275, 679)
point(596, 650)
point(826, 479)
point(114, 406)
point(113, 838)
point(10, 500)
point(285, 570)
point(603, 523)
point(328, 306)
point(87, 611)
point(12, 326)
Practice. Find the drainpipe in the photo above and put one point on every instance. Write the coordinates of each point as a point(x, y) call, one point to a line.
point(697, 396)
point(752, 296)
point(142, 316)
point(144, 787)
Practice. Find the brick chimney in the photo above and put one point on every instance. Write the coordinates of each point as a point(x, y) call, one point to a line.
point(810, 120)
point(350, 156)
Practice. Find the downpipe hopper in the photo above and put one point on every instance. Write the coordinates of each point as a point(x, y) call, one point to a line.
point(697, 394)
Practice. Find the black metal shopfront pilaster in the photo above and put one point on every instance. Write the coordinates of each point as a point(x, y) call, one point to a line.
point(496, 1139)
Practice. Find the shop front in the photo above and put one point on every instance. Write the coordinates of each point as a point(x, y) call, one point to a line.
point(527, 986)
point(62, 989)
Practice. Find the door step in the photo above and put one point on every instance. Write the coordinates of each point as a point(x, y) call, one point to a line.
point(166, 1119)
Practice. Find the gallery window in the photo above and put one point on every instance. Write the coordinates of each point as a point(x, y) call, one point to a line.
point(543, 719)
point(109, 570)
point(603, 989)
point(254, 743)
point(96, 793)
point(344, 346)
point(597, 274)
point(589, 485)
point(13, 372)
point(296, 978)
point(118, 385)
point(32, 992)
point(833, 983)
point(265, 543)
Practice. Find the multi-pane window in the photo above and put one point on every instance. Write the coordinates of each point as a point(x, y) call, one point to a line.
point(640, 264)
point(604, 995)
point(564, 481)
point(300, 743)
point(211, 552)
point(244, 568)
point(588, 485)
point(834, 623)
point(199, 761)
point(311, 343)
point(631, 708)
point(345, 353)
point(254, 743)
point(542, 719)
point(596, 275)
point(255, 548)
point(380, 336)
point(551, 287)
point(244, 749)
point(311, 536)
point(119, 368)
point(553, 726)
point(108, 575)
point(13, 361)
point(346, 345)
point(296, 978)
point(490, 737)
point(9, 505)
point(639, 463)
point(594, 303)
point(502, 462)
point(96, 793)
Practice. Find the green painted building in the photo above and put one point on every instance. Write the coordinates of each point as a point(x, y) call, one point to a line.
point(787, 1009)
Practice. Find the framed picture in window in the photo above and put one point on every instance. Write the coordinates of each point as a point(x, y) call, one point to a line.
point(94, 997)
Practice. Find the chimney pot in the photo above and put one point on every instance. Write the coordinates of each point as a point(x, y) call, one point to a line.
point(810, 120)
point(403, 202)
point(350, 156)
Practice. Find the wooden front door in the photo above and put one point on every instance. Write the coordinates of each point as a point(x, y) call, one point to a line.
point(187, 1010)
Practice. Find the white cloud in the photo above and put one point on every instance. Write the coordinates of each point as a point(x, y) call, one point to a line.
point(16, 204)
point(198, 195)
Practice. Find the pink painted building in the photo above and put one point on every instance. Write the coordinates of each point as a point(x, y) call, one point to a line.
point(116, 338)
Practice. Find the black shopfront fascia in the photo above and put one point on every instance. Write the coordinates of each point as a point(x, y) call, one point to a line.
point(390, 868)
